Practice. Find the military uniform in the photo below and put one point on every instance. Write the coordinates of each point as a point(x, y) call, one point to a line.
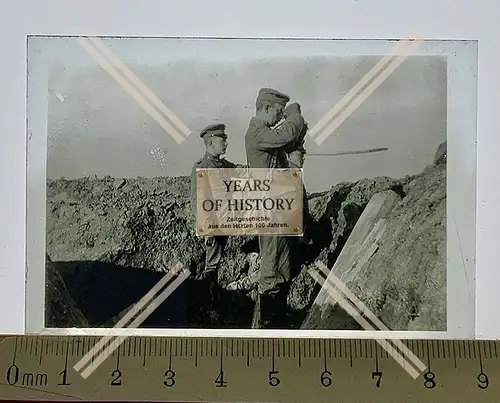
point(267, 148)
point(207, 161)
point(214, 245)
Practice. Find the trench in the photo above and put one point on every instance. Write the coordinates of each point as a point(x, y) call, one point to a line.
point(104, 291)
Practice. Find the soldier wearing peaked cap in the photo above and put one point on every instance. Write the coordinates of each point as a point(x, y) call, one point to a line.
point(215, 140)
point(267, 147)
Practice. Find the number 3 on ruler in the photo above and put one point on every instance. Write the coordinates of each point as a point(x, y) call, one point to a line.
point(169, 378)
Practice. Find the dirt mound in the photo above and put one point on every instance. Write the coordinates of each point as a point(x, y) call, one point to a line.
point(61, 310)
point(403, 282)
point(146, 226)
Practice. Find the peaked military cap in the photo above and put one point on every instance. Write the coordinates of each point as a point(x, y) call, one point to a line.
point(218, 130)
point(272, 95)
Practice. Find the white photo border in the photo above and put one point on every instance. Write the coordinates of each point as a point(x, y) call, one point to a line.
point(460, 211)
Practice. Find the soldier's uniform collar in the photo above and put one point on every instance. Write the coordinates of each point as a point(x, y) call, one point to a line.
point(217, 161)
point(212, 157)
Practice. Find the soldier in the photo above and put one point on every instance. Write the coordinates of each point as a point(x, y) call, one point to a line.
point(266, 147)
point(296, 160)
point(215, 140)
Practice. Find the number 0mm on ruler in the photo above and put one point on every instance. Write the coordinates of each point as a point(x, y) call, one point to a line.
point(480, 357)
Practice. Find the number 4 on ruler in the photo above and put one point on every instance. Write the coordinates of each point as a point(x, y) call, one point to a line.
point(219, 381)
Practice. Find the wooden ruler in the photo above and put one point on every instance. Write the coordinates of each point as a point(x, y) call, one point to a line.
point(248, 370)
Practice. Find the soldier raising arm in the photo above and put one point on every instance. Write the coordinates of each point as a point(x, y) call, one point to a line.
point(265, 146)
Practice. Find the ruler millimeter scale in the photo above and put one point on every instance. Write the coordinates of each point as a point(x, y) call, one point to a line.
point(225, 370)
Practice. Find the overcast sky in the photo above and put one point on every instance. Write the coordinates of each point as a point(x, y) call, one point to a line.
point(95, 127)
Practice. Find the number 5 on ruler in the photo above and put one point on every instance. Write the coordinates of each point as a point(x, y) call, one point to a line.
point(273, 378)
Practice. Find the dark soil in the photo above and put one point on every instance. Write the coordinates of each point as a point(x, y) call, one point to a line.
point(112, 239)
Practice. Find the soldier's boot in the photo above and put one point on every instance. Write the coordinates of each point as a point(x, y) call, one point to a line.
point(265, 314)
point(273, 310)
point(213, 297)
point(281, 311)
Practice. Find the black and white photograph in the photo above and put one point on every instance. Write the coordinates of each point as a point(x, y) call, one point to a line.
point(118, 126)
